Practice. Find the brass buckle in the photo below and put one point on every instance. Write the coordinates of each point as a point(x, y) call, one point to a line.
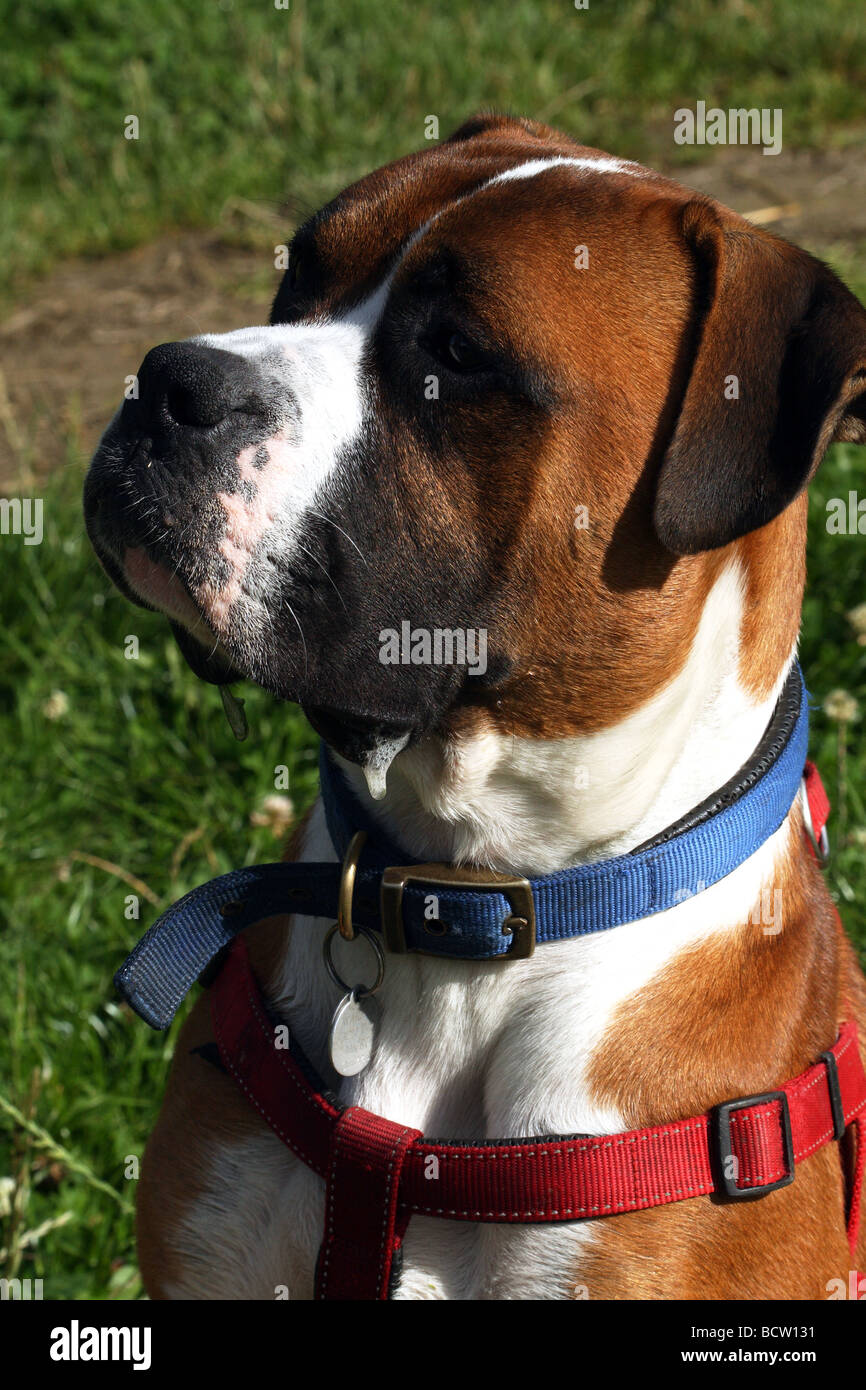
point(521, 923)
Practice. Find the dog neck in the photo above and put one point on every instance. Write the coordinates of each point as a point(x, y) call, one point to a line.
point(532, 806)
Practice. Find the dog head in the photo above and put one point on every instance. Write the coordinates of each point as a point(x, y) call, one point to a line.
point(513, 391)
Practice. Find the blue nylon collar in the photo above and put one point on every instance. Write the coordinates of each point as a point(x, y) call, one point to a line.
point(704, 847)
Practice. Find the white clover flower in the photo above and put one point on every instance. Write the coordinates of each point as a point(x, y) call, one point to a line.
point(57, 705)
point(276, 813)
point(842, 707)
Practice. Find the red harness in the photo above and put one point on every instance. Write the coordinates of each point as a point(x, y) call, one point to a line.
point(379, 1173)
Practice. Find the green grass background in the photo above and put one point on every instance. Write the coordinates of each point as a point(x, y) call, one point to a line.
point(239, 99)
point(246, 101)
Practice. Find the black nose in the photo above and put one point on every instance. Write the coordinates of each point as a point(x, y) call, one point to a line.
point(190, 384)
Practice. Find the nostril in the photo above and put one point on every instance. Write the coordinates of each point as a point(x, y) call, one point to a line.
point(188, 407)
point(192, 385)
point(197, 394)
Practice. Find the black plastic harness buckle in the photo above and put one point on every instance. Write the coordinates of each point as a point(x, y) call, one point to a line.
point(724, 1153)
point(836, 1106)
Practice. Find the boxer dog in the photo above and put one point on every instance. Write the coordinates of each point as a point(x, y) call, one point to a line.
point(516, 386)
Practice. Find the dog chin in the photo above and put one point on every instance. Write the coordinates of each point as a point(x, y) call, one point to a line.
point(371, 737)
point(370, 741)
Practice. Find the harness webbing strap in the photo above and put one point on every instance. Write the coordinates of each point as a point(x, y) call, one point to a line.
point(378, 1174)
point(266, 1073)
point(362, 1225)
point(819, 802)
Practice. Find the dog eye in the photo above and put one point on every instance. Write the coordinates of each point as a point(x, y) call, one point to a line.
point(458, 352)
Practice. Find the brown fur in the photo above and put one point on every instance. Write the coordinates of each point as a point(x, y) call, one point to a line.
point(750, 1014)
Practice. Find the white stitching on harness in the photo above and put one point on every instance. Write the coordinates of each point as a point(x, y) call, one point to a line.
point(338, 1139)
point(382, 1252)
point(290, 1143)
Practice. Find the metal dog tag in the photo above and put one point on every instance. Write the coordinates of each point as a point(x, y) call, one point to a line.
point(353, 1033)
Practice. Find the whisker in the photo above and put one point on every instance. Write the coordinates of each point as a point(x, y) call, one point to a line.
point(303, 638)
point(333, 523)
point(325, 572)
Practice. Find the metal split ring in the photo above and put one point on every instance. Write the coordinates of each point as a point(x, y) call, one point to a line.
point(359, 991)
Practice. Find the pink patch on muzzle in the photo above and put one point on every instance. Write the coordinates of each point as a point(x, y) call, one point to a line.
point(158, 586)
point(247, 522)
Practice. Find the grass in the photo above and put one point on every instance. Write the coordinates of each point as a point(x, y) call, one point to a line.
point(111, 759)
point(833, 660)
point(239, 99)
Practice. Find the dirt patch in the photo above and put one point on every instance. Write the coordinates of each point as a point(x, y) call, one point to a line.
point(69, 345)
point(816, 198)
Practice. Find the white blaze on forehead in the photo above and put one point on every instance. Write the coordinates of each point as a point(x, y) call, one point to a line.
point(597, 164)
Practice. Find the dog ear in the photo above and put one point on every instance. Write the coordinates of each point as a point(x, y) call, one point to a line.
point(779, 373)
